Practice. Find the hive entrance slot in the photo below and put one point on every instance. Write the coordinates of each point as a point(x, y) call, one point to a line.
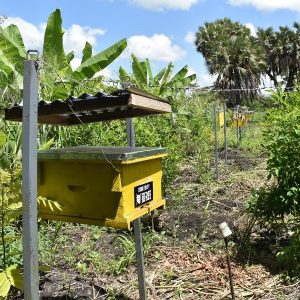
point(76, 188)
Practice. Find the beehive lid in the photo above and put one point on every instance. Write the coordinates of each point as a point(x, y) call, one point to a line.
point(99, 153)
point(121, 104)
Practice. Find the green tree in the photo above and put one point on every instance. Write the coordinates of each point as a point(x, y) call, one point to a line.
point(282, 53)
point(232, 54)
point(268, 40)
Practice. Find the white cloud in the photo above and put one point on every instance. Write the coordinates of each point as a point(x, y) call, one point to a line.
point(74, 37)
point(190, 72)
point(75, 62)
point(269, 5)
point(164, 4)
point(32, 35)
point(107, 73)
point(206, 79)
point(158, 47)
point(190, 37)
point(253, 29)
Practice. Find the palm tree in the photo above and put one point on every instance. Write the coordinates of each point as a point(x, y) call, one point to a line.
point(289, 45)
point(233, 55)
point(282, 53)
point(267, 38)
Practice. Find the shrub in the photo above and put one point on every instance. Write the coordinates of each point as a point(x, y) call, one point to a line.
point(280, 202)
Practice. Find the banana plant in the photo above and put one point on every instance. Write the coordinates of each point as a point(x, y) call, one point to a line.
point(12, 55)
point(66, 80)
point(162, 84)
point(58, 79)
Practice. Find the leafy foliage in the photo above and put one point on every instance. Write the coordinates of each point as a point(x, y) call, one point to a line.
point(282, 53)
point(282, 143)
point(280, 202)
point(54, 38)
point(11, 208)
point(58, 79)
point(163, 84)
point(10, 201)
point(11, 276)
point(232, 54)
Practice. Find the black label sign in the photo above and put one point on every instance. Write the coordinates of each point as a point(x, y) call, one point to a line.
point(143, 193)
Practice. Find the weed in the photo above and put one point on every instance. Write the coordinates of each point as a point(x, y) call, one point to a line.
point(82, 267)
point(120, 264)
point(96, 232)
point(178, 196)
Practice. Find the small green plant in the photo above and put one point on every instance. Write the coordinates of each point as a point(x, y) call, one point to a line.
point(82, 267)
point(289, 255)
point(121, 263)
point(178, 196)
point(10, 201)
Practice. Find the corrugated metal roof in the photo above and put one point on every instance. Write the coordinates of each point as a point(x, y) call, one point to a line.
point(94, 108)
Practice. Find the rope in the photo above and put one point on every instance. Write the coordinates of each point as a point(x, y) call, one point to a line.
point(102, 151)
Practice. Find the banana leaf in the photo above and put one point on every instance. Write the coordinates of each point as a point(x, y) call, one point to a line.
point(159, 76)
point(99, 61)
point(12, 46)
point(149, 71)
point(53, 49)
point(87, 52)
point(139, 71)
point(123, 75)
point(180, 75)
point(70, 56)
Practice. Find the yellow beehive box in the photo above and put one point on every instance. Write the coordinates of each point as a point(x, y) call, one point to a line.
point(107, 186)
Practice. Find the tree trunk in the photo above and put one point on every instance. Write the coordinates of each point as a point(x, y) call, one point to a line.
point(272, 77)
point(238, 97)
point(290, 82)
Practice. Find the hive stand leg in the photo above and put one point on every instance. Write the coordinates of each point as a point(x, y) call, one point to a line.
point(140, 257)
point(137, 226)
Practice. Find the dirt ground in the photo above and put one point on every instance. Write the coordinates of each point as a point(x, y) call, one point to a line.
point(187, 258)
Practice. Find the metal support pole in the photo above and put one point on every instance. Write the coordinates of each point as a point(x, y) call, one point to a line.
point(172, 119)
point(29, 181)
point(237, 132)
point(216, 143)
point(229, 269)
point(139, 248)
point(225, 133)
point(130, 132)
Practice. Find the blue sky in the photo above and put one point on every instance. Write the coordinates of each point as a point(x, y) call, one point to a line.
point(161, 30)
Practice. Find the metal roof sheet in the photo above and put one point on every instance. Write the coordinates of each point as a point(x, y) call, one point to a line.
point(87, 108)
